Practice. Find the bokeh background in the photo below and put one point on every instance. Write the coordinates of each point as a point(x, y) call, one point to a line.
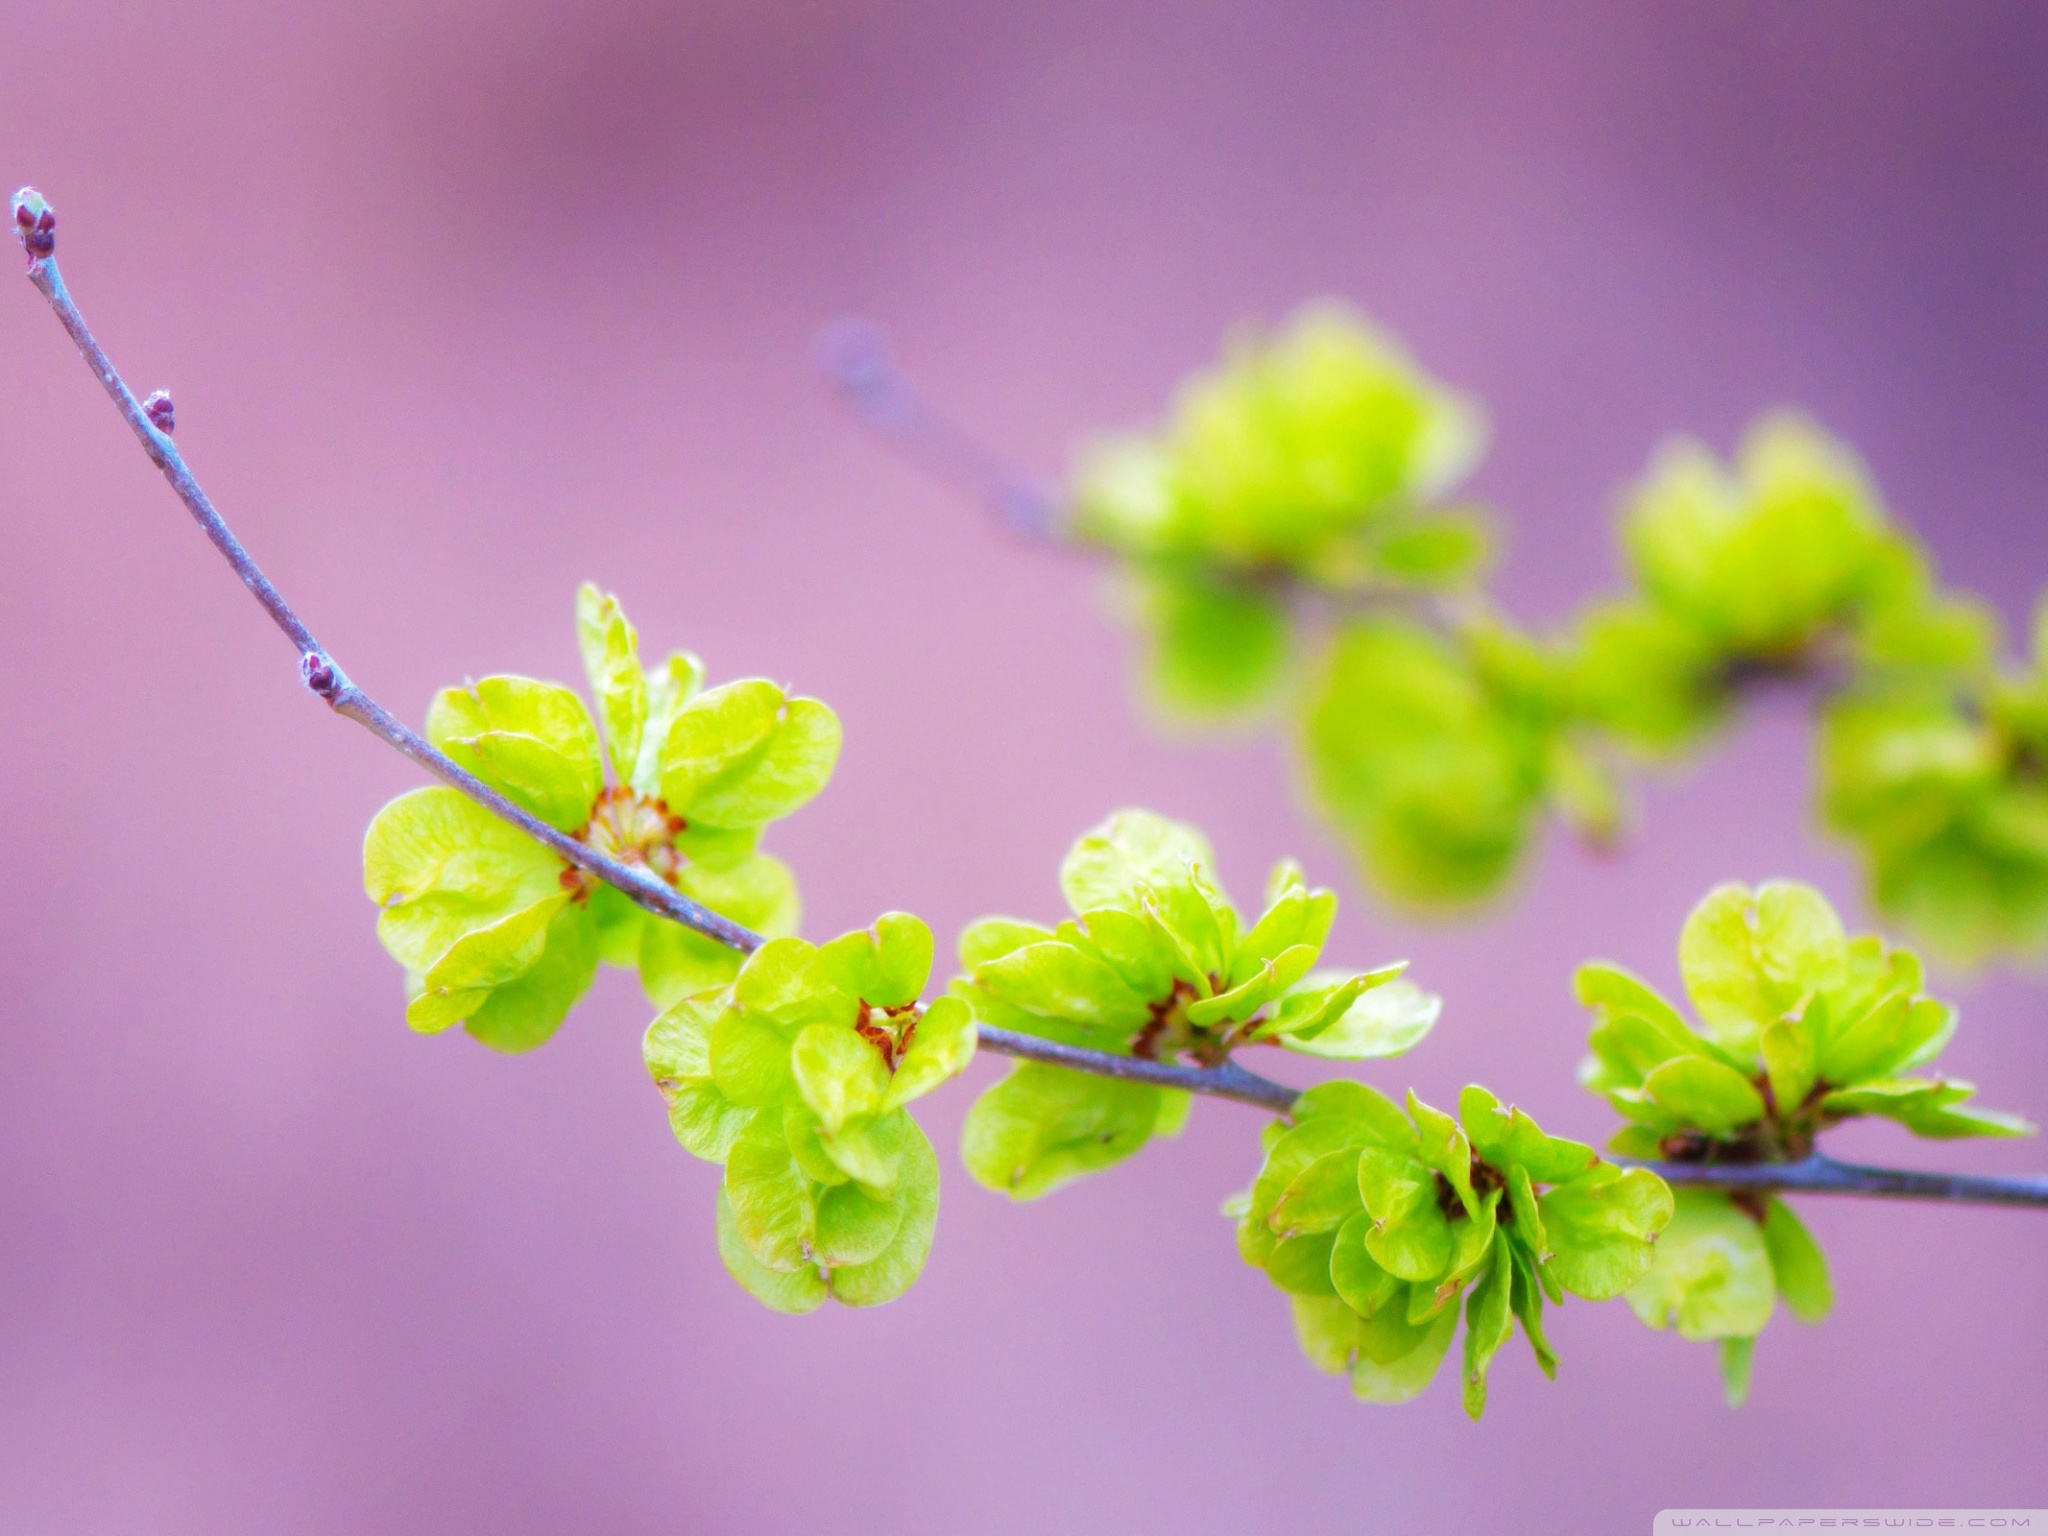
point(464, 303)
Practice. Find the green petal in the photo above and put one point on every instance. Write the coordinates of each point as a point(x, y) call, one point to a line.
point(1060, 981)
point(745, 754)
point(1749, 958)
point(1295, 916)
point(1446, 1148)
point(1175, 1105)
point(1432, 778)
point(940, 1048)
point(1327, 1331)
point(1704, 1095)
point(618, 923)
point(1217, 649)
point(854, 1226)
point(807, 1146)
point(1370, 1116)
point(885, 965)
point(439, 866)
point(1798, 1267)
point(1114, 864)
point(1321, 1198)
point(1044, 1126)
point(521, 1014)
point(669, 687)
point(993, 937)
point(464, 975)
point(1896, 1030)
point(1526, 1214)
point(1267, 982)
point(1602, 1227)
point(1416, 1244)
point(840, 1075)
point(1488, 1323)
point(611, 660)
point(1358, 1277)
point(1300, 1266)
point(892, 1272)
point(874, 1150)
point(1396, 1359)
point(677, 1049)
point(1526, 1301)
point(1711, 1277)
point(531, 741)
point(1790, 1059)
point(1393, 1182)
point(1737, 1355)
point(1290, 1151)
point(1380, 1022)
point(774, 1206)
point(750, 1060)
point(1508, 1138)
point(798, 1290)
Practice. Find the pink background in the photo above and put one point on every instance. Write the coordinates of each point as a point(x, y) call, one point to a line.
point(462, 304)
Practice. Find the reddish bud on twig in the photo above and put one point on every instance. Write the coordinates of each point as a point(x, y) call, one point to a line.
point(319, 674)
point(161, 413)
point(35, 224)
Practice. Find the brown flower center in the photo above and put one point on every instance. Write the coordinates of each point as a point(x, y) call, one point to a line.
point(888, 1030)
point(632, 828)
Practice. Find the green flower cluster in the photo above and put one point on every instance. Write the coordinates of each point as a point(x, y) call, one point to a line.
point(1311, 456)
point(1939, 776)
point(1434, 752)
point(1800, 1028)
point(1436, 748)
point(795, 1077)
point(501, 934)
point(1376, 1223)
point(1156, 964)
point(1782, 561)
point(1283, 543)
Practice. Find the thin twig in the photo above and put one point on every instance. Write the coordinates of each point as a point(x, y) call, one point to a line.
point(854, 355)
point(1813, 1175)
point(324, 676)
point(855, 358)
point(1229, 1081)
point(1818, 1175)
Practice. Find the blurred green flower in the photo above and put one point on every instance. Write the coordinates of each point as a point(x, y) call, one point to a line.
point(1312, 456)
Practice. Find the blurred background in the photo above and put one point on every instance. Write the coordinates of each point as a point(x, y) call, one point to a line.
point(464, 303)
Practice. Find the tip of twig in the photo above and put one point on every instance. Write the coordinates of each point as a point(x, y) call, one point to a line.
point(854, 355)
point(161, 413)
point(35, 223)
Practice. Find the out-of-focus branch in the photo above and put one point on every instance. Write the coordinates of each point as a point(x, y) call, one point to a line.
point(855, 357)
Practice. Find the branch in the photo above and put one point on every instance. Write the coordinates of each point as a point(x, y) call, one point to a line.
point(1819, 1175)
point(36, 227)
point(36, 224)
point(861, 365)
point(1229, 1081)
